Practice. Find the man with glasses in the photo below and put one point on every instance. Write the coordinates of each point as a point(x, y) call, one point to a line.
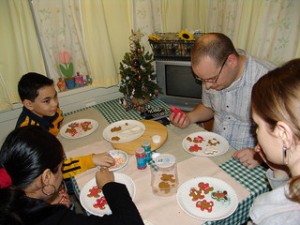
point(227, 76)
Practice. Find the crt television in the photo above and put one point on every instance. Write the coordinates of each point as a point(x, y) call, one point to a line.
point(178, 84)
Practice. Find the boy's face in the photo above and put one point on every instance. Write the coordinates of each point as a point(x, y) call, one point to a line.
point(45, 104)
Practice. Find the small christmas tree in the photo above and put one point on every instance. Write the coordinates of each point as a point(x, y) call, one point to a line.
point(137, 77)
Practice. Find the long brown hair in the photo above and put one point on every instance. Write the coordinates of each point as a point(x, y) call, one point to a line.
point(276, 97)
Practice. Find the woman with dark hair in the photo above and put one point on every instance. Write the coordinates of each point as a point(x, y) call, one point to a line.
point(31, 161)
point(276, 113)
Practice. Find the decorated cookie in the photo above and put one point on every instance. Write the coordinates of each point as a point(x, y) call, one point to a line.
point(220, 196)
point(198, 139)
point(195, 148)
point(213, 142)
point(100, 203)
point(196, 194)
point(205, 205)
point(94, 192)
point(210, 151)
point(205, 187)
point(86, 125)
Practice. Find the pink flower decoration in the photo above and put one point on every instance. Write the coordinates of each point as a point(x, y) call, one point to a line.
point(64, 57)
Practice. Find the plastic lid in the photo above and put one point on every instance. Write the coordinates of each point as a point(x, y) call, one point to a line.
point(165, 160)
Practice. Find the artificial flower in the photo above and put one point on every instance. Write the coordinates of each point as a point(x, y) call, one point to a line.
point(154, 37)
point(185, 35)
point(66, 66)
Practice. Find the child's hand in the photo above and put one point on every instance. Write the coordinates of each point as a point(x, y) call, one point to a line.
point(62, 197)
point(103, 159)
point(104, 176)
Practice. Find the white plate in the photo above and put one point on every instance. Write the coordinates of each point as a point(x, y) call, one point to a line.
point(220, 209)
point(78, 131)
point(120, 157)
point(128, 130)
point(211, 144)
point(88, 202)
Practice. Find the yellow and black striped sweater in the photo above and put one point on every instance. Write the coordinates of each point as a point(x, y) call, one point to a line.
point(72, 166)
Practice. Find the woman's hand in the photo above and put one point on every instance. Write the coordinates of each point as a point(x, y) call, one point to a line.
point(104, 176)
point(103, 159)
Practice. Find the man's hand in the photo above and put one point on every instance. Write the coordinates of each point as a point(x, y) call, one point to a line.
point(180, 119)
point(248, 157)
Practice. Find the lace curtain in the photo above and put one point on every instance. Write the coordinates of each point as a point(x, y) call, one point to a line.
point(268, 29)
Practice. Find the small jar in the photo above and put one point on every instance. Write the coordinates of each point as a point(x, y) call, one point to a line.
point(141, 158)
point(164, 179)
point(147, 147)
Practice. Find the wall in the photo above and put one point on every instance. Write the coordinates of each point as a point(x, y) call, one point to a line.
point(69, 101)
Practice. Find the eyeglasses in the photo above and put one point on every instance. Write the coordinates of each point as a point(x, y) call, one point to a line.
point(212, 79)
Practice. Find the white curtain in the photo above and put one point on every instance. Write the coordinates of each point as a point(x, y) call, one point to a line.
point(20, 52)
point(268, 29)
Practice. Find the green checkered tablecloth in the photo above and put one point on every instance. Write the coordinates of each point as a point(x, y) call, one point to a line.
point(252, 179)
point(113, 111)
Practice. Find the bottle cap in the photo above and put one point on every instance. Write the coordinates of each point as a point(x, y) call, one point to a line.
point(165, 160)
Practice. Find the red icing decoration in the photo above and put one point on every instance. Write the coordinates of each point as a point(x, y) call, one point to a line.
point(198, 139)
point(195, 148)
point(100, 203)
point(205, 205)
point(94, 192)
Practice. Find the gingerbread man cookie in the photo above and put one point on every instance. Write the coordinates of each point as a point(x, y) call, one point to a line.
point(205, 187)
point(213, 142)
point(198, 139)
point(94, 192)
point(168, 177)
point(196, 194)
point(86, 125)
point(220, 196)
point(205, 205)
point(195, 148)
point(100, 203)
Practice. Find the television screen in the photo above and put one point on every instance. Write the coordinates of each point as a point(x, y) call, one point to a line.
point(180, 82)
point(178, 85)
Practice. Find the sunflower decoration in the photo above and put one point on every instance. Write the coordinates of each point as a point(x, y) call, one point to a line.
point(185, 35)
point(154, 37)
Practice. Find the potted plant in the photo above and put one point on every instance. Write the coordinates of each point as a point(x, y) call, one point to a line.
point(66, 67)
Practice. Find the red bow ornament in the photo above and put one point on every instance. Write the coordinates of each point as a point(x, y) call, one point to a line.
point(5, 180)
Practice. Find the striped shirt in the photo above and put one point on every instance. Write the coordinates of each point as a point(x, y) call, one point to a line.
point(232, 105)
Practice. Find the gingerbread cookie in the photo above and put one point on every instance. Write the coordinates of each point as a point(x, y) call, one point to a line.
point(168, 177)
point(198, 139)
point(164, 186)
point(195, 148)
point(189, 139)
point(205, 187)
point(115, 138)
point(86, 126)
point(94, 192)
point(196, 194)
point(213, 142)
point(115, 129)
point(220, 196)
point(205, 205)
point(100, 203)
